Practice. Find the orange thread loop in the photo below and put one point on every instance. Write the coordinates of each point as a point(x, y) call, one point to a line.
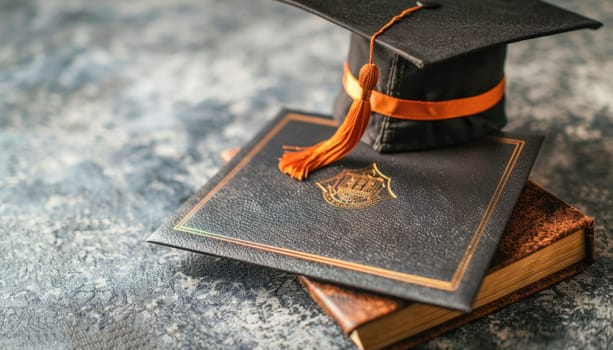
point(399, 108)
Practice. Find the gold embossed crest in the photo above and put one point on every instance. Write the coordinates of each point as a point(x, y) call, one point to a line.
point(357, 188)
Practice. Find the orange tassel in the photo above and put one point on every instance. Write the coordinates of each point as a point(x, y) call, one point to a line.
point(298, 162)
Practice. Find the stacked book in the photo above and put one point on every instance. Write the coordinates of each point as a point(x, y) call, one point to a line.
point(545, 242)
point(396, 248)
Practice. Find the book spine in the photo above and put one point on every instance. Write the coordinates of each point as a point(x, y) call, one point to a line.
point(347, 324)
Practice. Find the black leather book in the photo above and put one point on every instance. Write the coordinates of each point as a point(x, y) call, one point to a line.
point(417, 225)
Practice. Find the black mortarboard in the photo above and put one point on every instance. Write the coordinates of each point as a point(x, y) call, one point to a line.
point(441, 67)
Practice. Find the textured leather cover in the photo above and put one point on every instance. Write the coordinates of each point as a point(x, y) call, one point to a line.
point(432, 243)
point(539, 219)
point(456, 28)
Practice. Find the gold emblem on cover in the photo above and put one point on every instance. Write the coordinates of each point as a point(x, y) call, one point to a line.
point(357, 188)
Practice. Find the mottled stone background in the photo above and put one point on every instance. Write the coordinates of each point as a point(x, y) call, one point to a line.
point(113, 112)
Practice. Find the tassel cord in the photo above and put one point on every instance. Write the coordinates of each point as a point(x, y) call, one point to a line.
point(297, 162)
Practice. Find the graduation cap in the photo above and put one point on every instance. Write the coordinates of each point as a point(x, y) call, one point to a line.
point(423, 75)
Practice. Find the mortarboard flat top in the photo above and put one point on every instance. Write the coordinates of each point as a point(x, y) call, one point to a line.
point(453, 29)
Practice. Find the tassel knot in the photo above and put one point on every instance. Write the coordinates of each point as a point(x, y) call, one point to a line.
point(369, 75)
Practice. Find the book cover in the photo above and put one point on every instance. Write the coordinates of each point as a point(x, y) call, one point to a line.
point(539, 223)
point(417, 225)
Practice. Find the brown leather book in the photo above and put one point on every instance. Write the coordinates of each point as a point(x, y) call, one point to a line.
point(545, 241)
